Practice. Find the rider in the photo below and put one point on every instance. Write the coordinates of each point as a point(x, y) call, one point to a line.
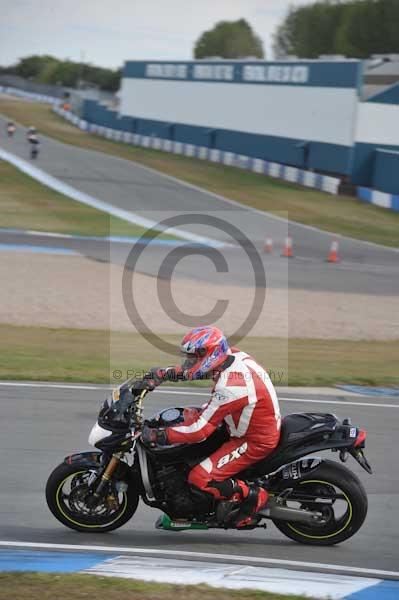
point(31, 131)
point(34, 142)
point(244, 397)
point(10, 128)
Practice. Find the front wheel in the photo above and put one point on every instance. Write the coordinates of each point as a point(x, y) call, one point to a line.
point(334, 491)
point(66, 493)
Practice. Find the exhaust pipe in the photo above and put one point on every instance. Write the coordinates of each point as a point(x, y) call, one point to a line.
point(283, 513)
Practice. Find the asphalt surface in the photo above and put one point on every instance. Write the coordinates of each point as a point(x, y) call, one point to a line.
point(41, 425)
point(298, 273)
point(365, 268)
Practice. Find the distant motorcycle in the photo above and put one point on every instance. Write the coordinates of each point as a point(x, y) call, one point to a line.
point(34, 146)
point(311, 500)
point(10, 129)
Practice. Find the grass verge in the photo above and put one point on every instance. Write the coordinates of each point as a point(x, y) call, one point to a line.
point(27, 204)
point(38, 353)
point(42, 586)
point(343, 215)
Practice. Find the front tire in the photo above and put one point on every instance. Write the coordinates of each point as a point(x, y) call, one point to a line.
point(65, 491)
point(329, 478)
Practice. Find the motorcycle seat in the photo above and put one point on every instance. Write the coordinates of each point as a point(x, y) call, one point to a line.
point(295, 428)
point(298, 426)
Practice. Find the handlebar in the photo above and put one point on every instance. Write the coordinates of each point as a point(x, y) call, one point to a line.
point(123, 412)
point(138, 408)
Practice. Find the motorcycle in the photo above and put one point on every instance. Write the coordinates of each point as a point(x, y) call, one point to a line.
point(34, 146)
point(312, 500)
point(10, 129)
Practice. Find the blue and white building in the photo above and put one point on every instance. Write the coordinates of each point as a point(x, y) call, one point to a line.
point(305, 115)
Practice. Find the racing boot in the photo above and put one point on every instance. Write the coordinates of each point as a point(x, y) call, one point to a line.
point(240, 510)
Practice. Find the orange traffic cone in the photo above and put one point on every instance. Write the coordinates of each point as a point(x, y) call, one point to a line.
point(333, 256)
point(287, 251)
point(268, 247)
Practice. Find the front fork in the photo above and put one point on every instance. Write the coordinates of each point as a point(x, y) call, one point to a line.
point(109, 470)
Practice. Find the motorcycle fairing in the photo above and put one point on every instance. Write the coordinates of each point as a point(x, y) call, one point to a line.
point(297, 470)
point(88, 459)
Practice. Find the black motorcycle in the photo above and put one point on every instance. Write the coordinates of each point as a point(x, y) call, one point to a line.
point(311, 500)
point(34, 146)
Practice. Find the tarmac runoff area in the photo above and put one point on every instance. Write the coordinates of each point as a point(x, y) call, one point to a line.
point(45, 422)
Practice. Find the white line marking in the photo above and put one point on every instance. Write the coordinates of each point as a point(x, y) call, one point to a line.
point(243, 559)
point(188, 393)
point(343, 402)
point(51, 385)
point(79, 196)
point(89, 238)
point(285, 399)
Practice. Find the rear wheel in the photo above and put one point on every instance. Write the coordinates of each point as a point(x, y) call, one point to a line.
point(335, 492)
point(66, 495)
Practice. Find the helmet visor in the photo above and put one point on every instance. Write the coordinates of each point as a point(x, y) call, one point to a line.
point(192, 361)
point(189, 360)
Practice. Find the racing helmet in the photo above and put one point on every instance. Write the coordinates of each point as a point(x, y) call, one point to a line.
point(204, 350)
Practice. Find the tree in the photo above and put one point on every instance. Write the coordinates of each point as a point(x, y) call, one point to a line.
point(229, 39)
point(309, 31)
point(31, 67)
point(47, 69)
point(368, 27)
point(355, 28)
point(68, 72)
point(284, 39)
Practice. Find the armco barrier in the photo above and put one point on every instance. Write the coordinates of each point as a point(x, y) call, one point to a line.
point(381, 199)
point(257, 165)
point(30, 95)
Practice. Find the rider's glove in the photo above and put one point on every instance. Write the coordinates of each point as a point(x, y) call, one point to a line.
point(143, 384)
point(155, 377)
point(154, 437)
point(174, 373)
point(161, 374)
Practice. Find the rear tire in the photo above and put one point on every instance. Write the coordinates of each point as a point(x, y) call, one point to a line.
point(327, 476)
point(60, 503)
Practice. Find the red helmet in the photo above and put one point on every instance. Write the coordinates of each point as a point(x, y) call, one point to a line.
point(205, 348)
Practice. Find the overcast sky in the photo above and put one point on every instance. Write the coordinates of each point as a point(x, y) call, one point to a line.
point(108, 32)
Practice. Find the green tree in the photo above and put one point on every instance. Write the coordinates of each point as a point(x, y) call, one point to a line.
point(309, 31)
point(47, 69)
point(67, 73)
point(229, 39)
point(369, 27)
point(33, 66)
point(285, 37)
point(355, 28)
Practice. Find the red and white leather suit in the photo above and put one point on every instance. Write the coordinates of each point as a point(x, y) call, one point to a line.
point(244, 397)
